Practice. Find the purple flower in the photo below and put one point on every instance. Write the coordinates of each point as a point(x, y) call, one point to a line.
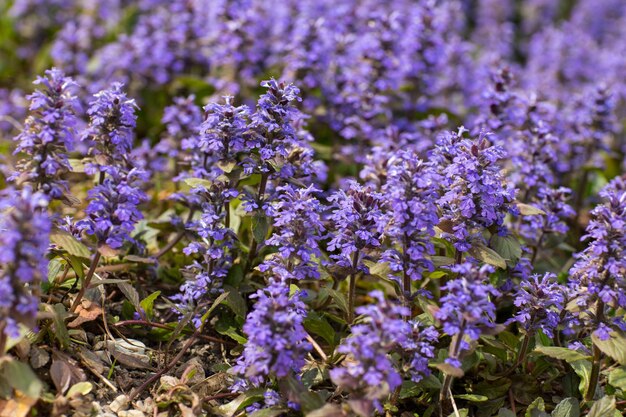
point(297, 231)
point(474, 193)
point(113, 210)
point(466, 309)
point(24, 237)
point(221, 141)
point(110, 133)
point(540, 301)
point(357, 222)
point(370, 371)
point(276, 344)
point(182, 122)
point(48, 135)
point(411, 192)
point(599, 275)
point(213, 245)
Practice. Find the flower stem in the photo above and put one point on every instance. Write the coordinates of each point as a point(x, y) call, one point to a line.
point(455, 347)
point(595, 373)
point(86, 281)
point(352, 286)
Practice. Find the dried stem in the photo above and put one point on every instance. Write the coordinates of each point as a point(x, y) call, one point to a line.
point(86, 281)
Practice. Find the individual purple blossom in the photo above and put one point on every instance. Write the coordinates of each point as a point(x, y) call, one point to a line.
point(276, 344)
point(474, 193)
point(48, 135)
point(297, 232)
point(540, 301)
point(24, 237)
point(599, 275)
point(113, 210)
point(411, 193)
point(357, 224)
point(110, 133)
point(370, 371)
point(466, 310)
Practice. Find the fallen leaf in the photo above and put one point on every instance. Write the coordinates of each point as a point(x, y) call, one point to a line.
point(61, 375)
point(87, 311)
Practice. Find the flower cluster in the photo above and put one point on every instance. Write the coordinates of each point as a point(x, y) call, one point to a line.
point(24, 234)
point(411, 192)
point(276, 343)
point(298, 230)
point(359, 221)
point(113, 207)
point(475, 196)
point(110, 133)
point(204, 277)
point(48, 135)
point(599, 274)
point(382, 338)
point(467, 309)
point(541, 301)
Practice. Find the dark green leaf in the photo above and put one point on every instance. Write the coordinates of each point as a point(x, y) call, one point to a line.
point(260, 227)
point(508, 247)
point(69, 243)
point(568, 407)
point(318, 325)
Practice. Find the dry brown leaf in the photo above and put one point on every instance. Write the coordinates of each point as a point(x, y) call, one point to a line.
point(18, 406)
point(87, 311)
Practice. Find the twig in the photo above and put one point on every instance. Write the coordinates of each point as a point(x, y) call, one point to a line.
point(166, 368)
point(317, 347)
point(86, 282)
point(176, 239)
point(166, 327)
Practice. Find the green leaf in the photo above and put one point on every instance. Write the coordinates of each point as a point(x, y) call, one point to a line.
point(226, 326)
point(244, 400)
point(507, 246)
point(19, 376)
point(69, 243)
point(615, 346)
point(487, 255)
point(235, 301)
point(603, 407)
point(565, 354)
point(216, 303)
point(148, 303)
point(583, 370)
point(260, 227)
point(463, 412)
point(60, 330)
point(269, 412)
point(198, 182)
point(294, 390)
point(337, 297)
point(77, 265)
point(378, 269)
point(568, 407)
point(617, 378)
point(318, 325)
point(529, 210)
point(472, 397)
point(82, 388)
point(54, 268)
point(505, 412)
point(536, 409)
